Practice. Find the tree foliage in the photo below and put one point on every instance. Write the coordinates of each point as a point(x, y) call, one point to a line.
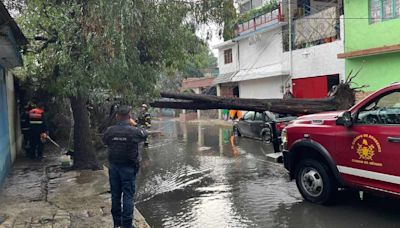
point(229, 19)
point(84, 50)
point(201, 60)
point(114, 46)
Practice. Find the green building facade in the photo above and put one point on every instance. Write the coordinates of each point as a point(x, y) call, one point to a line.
point(372, 39)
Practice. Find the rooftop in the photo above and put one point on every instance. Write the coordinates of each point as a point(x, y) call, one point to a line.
point(7, 20)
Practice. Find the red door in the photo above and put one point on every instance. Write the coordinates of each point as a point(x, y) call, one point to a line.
point(314, 87)
point(369, 151)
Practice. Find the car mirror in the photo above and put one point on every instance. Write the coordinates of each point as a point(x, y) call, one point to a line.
point(345, 119)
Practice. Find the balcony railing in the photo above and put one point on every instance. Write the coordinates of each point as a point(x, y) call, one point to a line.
point(259, 21)
point(318, 28)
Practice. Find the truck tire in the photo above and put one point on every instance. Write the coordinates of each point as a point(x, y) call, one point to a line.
point(314, 182)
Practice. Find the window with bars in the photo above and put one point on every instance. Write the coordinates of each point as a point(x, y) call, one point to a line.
point(381, 10)
point(228, 56)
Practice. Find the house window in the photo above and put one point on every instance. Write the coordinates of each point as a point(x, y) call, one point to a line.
point(228, 56)
point(381, 10)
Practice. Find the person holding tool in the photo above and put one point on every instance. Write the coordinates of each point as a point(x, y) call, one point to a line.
point(123, 141)
point(37, 131)
point(144, 118)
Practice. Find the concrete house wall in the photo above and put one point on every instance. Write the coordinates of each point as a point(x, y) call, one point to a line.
point(320, 59)
point(262, 51)
point(263, 65)
point(11, 41)
point(230, 67)
point(13, 118)
point(5, 150)
point(261, 88)
point(378, 70)
point(10, 131)
point(262, 59)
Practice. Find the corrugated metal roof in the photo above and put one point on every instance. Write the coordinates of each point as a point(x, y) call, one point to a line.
point(6, 19)
point(197, 82)
point(224, 44)
point(258, 73)
point(224, 78)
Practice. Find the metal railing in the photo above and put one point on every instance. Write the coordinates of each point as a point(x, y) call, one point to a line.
point(317, 28)
point(260, 20)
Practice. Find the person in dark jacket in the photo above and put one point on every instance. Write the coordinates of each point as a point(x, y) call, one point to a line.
point(25, 127)
point(123, 141)
point(37, 131)
point(144, 118)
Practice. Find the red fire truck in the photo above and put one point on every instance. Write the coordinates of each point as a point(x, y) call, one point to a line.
point(358, 148)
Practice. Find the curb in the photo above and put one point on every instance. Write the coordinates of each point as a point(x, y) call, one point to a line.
point(140, 221)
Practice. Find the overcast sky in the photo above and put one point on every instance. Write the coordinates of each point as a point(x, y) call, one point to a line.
point(212, 29)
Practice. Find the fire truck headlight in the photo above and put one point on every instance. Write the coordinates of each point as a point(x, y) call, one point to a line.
point(284, 139)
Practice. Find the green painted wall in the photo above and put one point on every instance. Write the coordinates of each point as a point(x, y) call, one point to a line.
point(378, 70)
point(360, 34)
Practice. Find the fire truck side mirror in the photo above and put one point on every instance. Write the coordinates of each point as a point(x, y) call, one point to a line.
point(345, 119)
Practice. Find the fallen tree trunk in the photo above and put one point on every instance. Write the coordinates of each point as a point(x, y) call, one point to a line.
point(292, 106)
point(341, 98)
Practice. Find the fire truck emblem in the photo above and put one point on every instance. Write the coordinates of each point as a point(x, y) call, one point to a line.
point(365, 151)
point(366, 146)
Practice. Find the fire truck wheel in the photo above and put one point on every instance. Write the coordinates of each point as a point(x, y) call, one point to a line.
point(314, 182)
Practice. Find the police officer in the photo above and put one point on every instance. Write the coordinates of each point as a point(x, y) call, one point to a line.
point(123, 141)
point(37, 131)
point(144, 118)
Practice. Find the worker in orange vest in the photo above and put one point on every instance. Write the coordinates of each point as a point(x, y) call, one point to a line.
point(38, 131)
point(235, 114)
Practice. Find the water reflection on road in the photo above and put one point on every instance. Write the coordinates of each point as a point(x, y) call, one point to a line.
point(196, 175)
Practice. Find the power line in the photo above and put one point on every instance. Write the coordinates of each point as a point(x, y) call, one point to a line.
point(345, 18)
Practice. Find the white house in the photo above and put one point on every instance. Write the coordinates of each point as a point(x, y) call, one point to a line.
point(262, 58)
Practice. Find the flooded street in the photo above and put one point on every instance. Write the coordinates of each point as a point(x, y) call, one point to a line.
point(195, 175)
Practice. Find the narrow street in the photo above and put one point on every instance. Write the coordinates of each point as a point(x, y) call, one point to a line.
point(192, 176)
point(140, 113)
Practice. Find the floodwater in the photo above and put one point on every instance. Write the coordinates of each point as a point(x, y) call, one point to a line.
point(196, 175)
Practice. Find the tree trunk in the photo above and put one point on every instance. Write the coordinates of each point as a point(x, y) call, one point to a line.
point(342, 98)
point(84, 152)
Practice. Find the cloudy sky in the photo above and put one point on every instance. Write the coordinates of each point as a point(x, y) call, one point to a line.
point(213, 30)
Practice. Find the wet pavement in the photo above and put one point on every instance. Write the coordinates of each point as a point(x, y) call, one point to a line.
point(196, 175)
point(41, 194)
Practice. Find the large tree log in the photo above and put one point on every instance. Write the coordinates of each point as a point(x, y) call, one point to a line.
point(343, 97)
point(84, 152)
